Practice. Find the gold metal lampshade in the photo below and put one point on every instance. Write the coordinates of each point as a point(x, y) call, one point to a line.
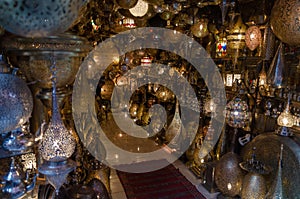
point(32, 57)
point(284, 21)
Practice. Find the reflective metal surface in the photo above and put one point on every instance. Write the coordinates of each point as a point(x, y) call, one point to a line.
point(268, 151)
point(16, 102)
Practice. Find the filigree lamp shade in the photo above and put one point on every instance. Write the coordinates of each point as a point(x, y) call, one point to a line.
point(58, 143)
point(237, 113)
point(253, 37)
point(38, 18)
point(284, 21)
point(16, 102)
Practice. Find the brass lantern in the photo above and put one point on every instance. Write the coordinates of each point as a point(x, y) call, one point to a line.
point(253, 37)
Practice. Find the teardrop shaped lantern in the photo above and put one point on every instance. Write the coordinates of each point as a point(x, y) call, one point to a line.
point(253, 37)
point(58, 142)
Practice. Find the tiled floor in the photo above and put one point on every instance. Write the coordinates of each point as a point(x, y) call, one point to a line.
point(117, 191)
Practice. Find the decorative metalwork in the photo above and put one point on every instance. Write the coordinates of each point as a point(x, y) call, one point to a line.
point(57, 172)
point(18, 140)
point(39, 19)
point(13, 184)
point(285, 120)
point(254, 183)
point(253, 37)
point(268, 147)
point(58, 143)
point(32, 57)
point(16, 102)
point(284, 21)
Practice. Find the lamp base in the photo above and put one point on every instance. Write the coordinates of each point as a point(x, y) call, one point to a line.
point(284, 131)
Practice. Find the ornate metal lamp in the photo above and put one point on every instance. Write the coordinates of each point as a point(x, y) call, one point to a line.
point(57, 144)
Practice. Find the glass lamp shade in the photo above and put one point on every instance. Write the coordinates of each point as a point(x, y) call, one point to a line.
point(16, 102)
point(200, 28)
point(58, 143)
point(39, 18)
point(237, 113)
point(284, 20)
point(253, 37)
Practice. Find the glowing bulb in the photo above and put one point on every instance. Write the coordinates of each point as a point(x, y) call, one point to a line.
point(229, 186)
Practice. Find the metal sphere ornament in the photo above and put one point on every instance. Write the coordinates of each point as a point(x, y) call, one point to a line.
point(16, 102)
point(38, 18)
point(284, 21)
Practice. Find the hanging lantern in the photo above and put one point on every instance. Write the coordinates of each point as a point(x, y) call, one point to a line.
point(276, 190)
point(200, 29)
point(128, 23)
point(58, 142)
point(237, 113)
point(236, 37)
point(284, 21)
point(221, 46)
point(253, 37)
point(39, 18)
point(262, 76)
point(146, 61)
point(285, 121)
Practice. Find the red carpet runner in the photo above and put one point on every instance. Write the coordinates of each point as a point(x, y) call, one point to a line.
point(166, 183)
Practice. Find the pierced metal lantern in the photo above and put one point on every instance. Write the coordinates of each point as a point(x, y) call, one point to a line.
point(38, 18)
point(284, 21)
point(16, 102)
point(58, 143)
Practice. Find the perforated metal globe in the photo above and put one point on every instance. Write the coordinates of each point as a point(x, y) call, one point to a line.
point(31, 18)
point(16, 102)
